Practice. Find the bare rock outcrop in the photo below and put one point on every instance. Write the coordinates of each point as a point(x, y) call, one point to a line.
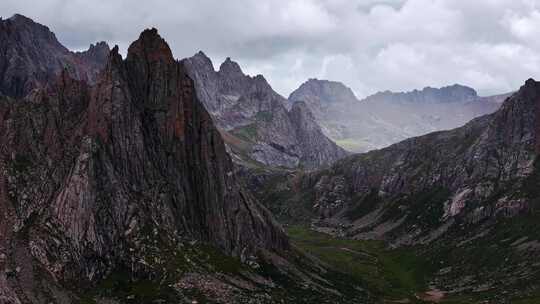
point(255, 121)
point(32, 57)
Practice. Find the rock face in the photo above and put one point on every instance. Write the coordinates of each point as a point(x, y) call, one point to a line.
point(464, 191)
point(386, 117)
point(311, 138)
point(99, 178)
point(254, 120)
point(32, 57)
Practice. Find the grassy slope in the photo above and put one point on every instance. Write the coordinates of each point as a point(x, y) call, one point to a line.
point(392, 274)
point(396, 274)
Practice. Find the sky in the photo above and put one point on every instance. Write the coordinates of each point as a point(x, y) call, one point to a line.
point(370, 45)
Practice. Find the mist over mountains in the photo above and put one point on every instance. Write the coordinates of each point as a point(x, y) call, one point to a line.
point(153, 179)
point(387, 117)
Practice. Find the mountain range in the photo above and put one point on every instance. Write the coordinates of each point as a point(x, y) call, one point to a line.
point(122, 191)
point(254, 119)
point(385, 118)
point(147, 179)
point(465, 199)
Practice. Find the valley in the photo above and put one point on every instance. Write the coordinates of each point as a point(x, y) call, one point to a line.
point(146, 178)
point(405, 274)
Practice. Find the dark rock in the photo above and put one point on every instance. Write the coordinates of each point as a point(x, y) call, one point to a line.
point(90, 174)
point(32, 57)
point(317, 148)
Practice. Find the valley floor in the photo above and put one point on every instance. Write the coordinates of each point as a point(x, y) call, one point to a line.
point(396, 275)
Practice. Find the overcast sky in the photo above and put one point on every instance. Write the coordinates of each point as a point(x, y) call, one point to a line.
point(370, 45)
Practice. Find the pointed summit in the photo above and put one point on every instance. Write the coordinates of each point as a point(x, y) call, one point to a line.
point(114, 56)
point(230, 67)
point(200, 60)
point(201, 54)
point(530, 83)
point(150, 47)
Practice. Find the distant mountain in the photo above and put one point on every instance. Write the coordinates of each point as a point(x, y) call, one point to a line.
point(454, 93)
point(319, 95)
point(468, 199)
point(33, 57)
point(386, 117)
point(254, 119)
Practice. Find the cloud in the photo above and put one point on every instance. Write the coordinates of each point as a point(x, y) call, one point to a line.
point(370, 45)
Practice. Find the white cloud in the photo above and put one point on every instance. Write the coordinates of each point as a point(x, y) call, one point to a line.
point(370, 45)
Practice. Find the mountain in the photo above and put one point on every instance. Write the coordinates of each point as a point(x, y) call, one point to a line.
point(319, 95)
point(123, 192)
point(32, 57)
point(454, 93)
point(386, 117)
point(254, 119)
point(466, 199)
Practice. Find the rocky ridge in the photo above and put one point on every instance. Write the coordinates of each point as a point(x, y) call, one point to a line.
point(123, 192)
point(453, 93)
point(33, 57)
point(254, 119)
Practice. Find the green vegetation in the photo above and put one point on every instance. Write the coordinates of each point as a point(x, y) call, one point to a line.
point(425, 208)
point(533, 299)
point(365, 205)
point(289, 207)
point(120, 285)
point(265, 116)
point(393, 274)
point(290, 291)
point(401, 274)
point(248, 133)
point(164, 265)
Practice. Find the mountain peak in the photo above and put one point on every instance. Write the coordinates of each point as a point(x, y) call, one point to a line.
point(230, 67)
point(530, 94)
point(114, 55)
point(97, 52)
point(202, 55)
point(202, 59)
point(114, 50)
point(327, 91)
point(531, 83)
point(19, 17)
point(151, 47)
point(99, 45)
point(34, 57)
